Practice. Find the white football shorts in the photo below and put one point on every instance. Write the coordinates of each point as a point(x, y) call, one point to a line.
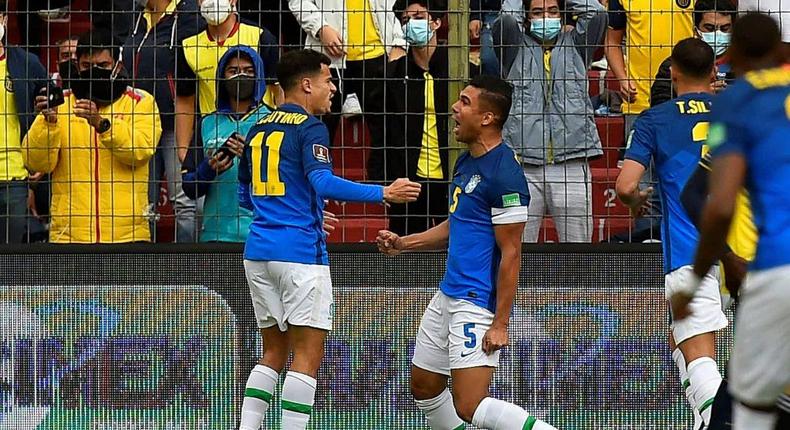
point(451, 336)
point(706, 310)
point(290, 293)
point(760, 364)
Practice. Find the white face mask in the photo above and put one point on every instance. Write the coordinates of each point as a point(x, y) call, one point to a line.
point(216, 12)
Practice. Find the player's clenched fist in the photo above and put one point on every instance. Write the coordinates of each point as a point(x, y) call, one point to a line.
point(402, 190)
point(495, 339)
point(389, 243)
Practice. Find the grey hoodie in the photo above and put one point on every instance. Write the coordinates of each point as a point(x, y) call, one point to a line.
point(551, 121)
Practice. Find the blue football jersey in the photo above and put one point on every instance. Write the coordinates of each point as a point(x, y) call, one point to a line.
point(485, 191)
point(673, 135)
point(280, 151)
point(752, 118)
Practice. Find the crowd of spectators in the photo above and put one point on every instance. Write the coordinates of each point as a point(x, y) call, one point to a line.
point(161, 93)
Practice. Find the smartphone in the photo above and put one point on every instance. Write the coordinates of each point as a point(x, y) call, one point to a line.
point(225, 149)
point(54, 95)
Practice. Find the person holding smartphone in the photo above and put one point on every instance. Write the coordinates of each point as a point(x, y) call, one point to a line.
point(240, 89)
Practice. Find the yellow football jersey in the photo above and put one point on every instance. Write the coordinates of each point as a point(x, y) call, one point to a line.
point(652, 28)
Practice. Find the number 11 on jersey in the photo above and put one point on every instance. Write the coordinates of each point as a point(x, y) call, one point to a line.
point(271, 186)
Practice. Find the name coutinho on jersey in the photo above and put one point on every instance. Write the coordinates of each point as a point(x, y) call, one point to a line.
point(280, 117)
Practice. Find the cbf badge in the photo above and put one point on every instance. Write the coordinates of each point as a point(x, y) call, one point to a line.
point(472, 184)
point(9, 85)
point(683, 4)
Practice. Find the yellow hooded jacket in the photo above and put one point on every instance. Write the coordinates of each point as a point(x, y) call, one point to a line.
point(99, 181)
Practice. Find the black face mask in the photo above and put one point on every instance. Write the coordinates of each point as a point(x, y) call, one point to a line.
point(240, 87)
point(67, 71)
point(97, 85)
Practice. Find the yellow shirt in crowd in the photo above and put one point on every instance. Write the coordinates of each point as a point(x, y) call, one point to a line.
point(203, 53)
point(653, 28)
point(429, 165)
point(11, 164)
point(364, 41)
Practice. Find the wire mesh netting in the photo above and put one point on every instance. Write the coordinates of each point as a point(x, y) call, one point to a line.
point(166, 167)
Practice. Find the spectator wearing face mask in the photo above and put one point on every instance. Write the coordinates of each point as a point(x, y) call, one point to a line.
point(23, 76)
point(359, 36)
point(199, 55)
point(67, 61)
point(240, 89)
point(96, 145)
point(713, 21)
point(150, 54)
point(551, 120)
point(417, 119)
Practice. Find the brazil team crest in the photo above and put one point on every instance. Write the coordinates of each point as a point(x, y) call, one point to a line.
point(472, 184)
point(683, 4)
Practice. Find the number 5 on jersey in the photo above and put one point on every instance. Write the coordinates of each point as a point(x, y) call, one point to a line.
point(272, 186)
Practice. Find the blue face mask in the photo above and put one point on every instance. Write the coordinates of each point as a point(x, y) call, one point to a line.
point(718, 40)
point(417, 32)
point(545, 29)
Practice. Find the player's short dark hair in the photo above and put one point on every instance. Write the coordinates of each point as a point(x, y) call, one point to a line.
point(693, 57)
point(496, 94)
point(298, 64)
point(755, 36)
point(724, 7)
point(3, 7)
point(96, 41)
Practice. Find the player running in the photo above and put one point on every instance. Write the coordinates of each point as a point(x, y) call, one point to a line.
point(750, 138)
point(466, 322)
point(285, 174)
point(672, 135)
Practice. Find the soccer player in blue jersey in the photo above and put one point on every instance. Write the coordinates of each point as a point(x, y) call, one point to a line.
point(750, 142)
point(285, 174)
point(673, 135)
point(466, 322)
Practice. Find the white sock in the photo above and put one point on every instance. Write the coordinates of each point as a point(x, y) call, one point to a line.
point(496, 414)
point(685, 383)
point(705, 380)
point(257, 396)
point(440, 412)
point(744, 418)
point(297, 400)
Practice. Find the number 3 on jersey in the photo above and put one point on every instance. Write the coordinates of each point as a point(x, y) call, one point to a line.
point(700, 134)
point(272, 186)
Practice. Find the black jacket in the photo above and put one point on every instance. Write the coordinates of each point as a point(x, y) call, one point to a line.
point(151, 60)
point(405, 107)
point(27, 77)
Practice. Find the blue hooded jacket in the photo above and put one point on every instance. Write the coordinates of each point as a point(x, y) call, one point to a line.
point(223, 219)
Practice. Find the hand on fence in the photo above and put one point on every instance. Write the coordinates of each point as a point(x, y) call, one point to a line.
point(389, 243)
point(402, 190)
point(495, 339)
point(42, 106)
